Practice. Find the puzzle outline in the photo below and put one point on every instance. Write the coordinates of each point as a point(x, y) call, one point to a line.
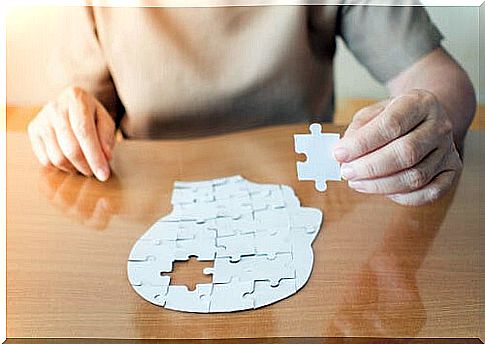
point(257, 211)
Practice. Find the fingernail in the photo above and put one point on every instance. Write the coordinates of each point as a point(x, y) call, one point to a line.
point(347, 172)
point(102, 174)
point(340, 154)
point(357, 185)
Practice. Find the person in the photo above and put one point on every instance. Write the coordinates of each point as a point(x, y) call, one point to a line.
point(178, 72)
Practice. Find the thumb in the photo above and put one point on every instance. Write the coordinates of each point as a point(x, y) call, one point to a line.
point(105, 126)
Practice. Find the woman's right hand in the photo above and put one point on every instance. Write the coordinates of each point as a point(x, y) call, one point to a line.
point(74, 133)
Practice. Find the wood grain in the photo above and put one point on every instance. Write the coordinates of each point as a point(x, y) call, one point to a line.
point(381, 270)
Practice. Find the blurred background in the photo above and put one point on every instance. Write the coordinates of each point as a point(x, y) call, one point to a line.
point(31, 32)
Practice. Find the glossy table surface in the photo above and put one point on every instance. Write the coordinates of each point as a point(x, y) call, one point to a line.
point(381, 270)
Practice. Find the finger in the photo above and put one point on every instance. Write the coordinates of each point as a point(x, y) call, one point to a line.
point(397, 119)
point(429, 193)
point(54, 152)
point(405, 181)
point(363, 116)
point(81, 117)
point(68, 143)
point(106, 130)
point(38, 148)
point(398, 155)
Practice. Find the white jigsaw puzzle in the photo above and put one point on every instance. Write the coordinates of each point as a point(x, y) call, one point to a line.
point(258, 236)
point(320, 165)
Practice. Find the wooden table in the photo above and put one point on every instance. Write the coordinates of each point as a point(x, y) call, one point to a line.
point(381, 270)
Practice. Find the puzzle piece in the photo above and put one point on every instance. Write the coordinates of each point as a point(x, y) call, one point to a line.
point(275, 196)
point(302, 258)
point(253, 268)
point(320, 165)
point(192, 195)
point(148, 273)
point(235, 246)
point(273, 218)
point(308, 218)
point(180, 298)
point(181, 230)
point(154, 294)
point(160, 250)
point(233, 189)
point(204, 248)
point(264, 293)
point(270, 244)
point(249, 226)
point(206, 211)
point(208, 191)
point(191, 230)
point(223, 227)
point(206, 183)
point(233, 296)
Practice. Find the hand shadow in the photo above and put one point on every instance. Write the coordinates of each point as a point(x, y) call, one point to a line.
point(86, 200)
point(383, 298)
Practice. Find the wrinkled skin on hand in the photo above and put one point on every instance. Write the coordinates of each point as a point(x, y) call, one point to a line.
point(402, 148)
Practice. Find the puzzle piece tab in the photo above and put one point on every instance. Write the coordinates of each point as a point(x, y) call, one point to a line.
point(148, 273)
point(154, 294)
point(180, 298)
point(264, 292)
point(233, 296)
point(236, 246)
point(320, 165)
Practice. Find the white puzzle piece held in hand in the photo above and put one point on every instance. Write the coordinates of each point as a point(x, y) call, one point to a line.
point(258, 236)
point(320, 165)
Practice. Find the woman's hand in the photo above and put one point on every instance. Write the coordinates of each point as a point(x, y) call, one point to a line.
point(74, 133)
point(402, 148)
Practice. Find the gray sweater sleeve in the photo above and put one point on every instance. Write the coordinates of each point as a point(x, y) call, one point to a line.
point(387, 39)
